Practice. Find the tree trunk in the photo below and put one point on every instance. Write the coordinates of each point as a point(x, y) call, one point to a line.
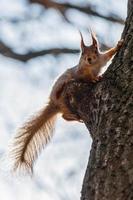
point(107, 110)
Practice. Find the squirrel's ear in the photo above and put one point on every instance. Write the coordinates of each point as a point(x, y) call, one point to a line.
point(94, 39)
point(82, 44)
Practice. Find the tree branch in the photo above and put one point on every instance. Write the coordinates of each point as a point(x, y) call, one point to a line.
point(8, 52)
point(63, 7)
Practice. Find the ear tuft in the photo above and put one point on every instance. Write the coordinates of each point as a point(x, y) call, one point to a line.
point(82, 44)
point(94, 38)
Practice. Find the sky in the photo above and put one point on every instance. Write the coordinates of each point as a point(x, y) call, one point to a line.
point(59, 170)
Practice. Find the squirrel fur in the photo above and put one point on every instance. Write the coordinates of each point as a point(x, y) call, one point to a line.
point(36, 133)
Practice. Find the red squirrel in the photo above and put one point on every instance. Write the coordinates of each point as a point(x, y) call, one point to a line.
point(36, 132)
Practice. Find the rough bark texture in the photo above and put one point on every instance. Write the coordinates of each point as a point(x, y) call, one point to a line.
point(107, 110)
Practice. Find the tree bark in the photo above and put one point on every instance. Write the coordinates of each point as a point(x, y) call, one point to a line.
point(107, 110)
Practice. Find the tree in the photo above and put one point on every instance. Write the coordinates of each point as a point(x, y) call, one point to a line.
point(91, 112)
point(107, 110)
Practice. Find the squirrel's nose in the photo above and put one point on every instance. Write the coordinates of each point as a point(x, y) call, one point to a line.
point(89, 60)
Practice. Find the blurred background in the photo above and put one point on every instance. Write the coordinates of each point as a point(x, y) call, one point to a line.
point(39, 40)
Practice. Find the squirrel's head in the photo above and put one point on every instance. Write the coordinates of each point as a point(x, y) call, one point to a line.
point(89, 54)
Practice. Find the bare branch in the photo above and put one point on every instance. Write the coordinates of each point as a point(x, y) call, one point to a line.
point(63, 7)
point(8, 52)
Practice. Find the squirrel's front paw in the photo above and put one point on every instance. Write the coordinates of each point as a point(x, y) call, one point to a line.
point(96, 79)
point(119, 44)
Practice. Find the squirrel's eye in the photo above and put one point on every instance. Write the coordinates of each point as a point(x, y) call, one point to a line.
point(89, 60)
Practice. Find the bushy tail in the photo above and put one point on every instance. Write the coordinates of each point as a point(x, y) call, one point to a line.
point(32, 137)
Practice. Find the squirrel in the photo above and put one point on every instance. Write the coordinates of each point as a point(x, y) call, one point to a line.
point(35, 133)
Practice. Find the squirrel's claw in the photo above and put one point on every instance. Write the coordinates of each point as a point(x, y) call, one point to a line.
point(100, 77)
point(97, 78)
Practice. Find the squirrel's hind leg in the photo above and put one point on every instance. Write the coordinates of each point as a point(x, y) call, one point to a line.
point(68, 115)
point(71, 117)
